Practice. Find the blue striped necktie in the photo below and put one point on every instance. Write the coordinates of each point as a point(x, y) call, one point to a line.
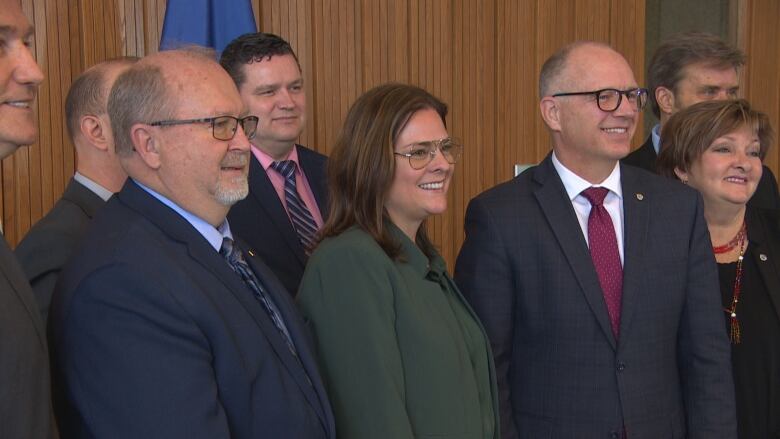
point(301, 217)
point(235, 259)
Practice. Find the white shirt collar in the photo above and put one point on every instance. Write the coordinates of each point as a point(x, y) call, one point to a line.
point(574, 184)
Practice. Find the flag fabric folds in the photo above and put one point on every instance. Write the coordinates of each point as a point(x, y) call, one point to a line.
point(211, 23)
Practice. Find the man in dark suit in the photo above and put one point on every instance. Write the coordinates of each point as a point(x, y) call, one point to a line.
point(50, 242)
point(24, 362)
point(689, 68)
point(286, 205)
point(162, 326)
point(604, 322)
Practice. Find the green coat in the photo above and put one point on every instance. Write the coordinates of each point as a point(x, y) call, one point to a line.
point(401, 352)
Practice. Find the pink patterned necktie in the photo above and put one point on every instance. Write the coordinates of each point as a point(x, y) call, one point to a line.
point(604, 253)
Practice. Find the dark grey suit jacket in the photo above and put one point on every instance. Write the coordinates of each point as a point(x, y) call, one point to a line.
point(526, 269)
point(51, 241)
point(766, 196)
point(261, 221)
point(155, 336)
point(25, 403)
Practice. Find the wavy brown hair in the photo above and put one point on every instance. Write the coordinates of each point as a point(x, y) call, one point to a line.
point(689, 132)
point(361, 167)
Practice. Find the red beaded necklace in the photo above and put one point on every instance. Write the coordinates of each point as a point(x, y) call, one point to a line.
point(739, 240)
point(727, 247)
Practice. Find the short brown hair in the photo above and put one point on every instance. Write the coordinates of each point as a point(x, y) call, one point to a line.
point(680, 51)
point(88, 94)
point(361, 167)
point(690, 131)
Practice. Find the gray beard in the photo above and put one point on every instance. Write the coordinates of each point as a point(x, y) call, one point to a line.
point(238, 191)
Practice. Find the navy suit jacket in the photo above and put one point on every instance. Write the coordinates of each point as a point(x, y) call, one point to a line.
point(526, 269)
point(48, 245)
point(766, 196)
point(261, 221)
point(154, 336)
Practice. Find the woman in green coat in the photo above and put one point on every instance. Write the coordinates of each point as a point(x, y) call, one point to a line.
point(402, 353)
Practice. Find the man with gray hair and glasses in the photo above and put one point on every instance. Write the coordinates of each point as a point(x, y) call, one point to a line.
point(163, 326)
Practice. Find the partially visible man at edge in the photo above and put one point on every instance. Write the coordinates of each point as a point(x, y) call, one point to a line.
point(686, 69)
point(287, 200)
point(50, 242)
point(24, 363)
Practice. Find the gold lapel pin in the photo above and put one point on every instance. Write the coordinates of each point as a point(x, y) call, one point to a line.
point(640, 197)
point(251, 253)
point(763, 257)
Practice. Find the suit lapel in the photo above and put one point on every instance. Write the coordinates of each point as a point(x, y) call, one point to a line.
point(766, 254)
point(636, 216)
point(264, 194)
point(81, 196)
point(315, 174)
point(307, 377)
point(178, 229)
point(558, 211)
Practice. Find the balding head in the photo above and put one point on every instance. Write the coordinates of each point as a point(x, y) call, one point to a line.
point(558, 72)
point(89, 126)
point(164, 111)
point(586, 139)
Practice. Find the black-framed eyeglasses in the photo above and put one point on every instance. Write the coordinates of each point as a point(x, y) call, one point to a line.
point(422, 153)
point(609, 99)
point(222, 127)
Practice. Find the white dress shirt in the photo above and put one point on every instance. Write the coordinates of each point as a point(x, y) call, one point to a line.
point(613, 202)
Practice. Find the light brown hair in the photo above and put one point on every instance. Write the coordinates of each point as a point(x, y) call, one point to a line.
point(690, 131)
point(361, 167)
point(88, 94)
point(681, 50)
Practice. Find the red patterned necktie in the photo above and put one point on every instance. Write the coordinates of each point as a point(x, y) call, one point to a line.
point(604, 253)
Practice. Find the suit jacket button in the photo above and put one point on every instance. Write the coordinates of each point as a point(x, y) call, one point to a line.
point(614, 435)
point(621, 367)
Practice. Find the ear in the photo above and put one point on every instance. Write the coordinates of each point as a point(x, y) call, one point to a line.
point(682, 175)
point(665, 99)
point(92, 129)
point(146, 145)
point(551, 112)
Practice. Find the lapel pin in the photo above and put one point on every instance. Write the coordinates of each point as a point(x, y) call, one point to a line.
point(762, 257)
point(251, 253)
point(640, 197)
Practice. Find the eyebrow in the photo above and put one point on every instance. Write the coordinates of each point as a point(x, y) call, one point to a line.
point(6, 31)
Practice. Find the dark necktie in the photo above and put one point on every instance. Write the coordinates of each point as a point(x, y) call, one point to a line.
point(604, 253)
point(237, 262)
point(301, 217)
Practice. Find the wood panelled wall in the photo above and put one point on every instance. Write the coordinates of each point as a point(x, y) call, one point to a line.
point(480, 56)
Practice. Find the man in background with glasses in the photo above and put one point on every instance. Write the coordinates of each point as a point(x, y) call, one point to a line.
point(689, 68)
point(47, 247)
point(287, 200)
point(162, 325)
point(604, 323)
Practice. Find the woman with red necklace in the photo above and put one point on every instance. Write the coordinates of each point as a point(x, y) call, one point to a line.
point(717, 148)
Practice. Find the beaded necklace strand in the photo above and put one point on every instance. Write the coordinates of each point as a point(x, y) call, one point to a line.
point(739, 240)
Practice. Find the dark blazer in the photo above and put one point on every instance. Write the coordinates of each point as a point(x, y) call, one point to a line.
point(25, 404)
point(50, 242)
point(154, 336)
point(261, 221)
point(763, 227)
point(766, 195)
point(527, 271)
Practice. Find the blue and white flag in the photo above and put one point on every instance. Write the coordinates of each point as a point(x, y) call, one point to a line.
point(211, 23)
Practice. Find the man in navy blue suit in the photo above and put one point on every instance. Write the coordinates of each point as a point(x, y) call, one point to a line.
point(269, 78)
point(596, 282)
point(162, 326)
